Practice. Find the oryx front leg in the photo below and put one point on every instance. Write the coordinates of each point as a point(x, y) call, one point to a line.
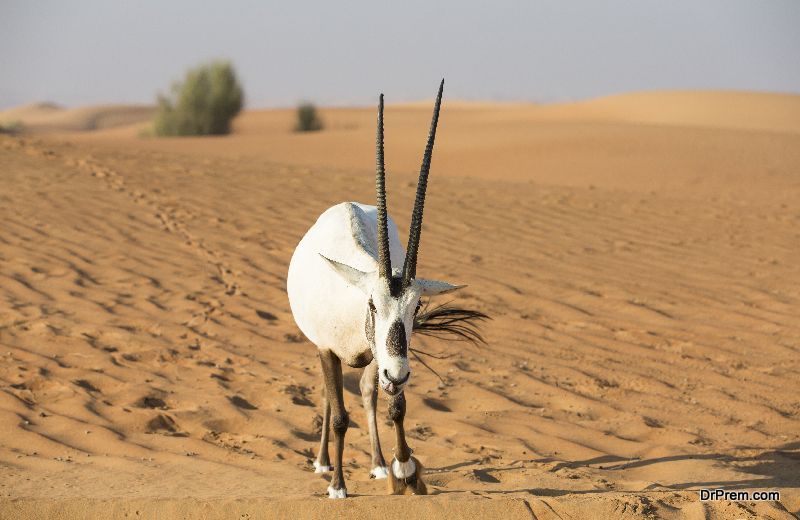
point(323, 462)
point(405, 472)
point(369, 394)
point(332, 372)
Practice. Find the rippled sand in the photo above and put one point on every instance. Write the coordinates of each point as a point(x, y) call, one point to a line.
point(642, 274)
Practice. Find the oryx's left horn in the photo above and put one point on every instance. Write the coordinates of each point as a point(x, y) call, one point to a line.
point(410, 266)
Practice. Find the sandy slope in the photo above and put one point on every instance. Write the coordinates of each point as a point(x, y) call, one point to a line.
point(608, 143)
point(49, 118)
point(708, 109)
point(644, 343)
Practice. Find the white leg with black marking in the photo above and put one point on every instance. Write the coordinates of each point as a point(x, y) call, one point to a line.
point(369, 396)
point(336, 493)
point(323, 462)
point(332, 372)
point(379, 472)
point(403, 469)
point(319, 468)
point(405, 473)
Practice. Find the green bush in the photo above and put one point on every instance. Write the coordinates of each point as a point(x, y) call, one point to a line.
point(307, 118)
point(204, 104)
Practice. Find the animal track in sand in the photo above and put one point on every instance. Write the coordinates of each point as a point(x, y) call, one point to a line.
point(151, 401)
point(299, 394)
point(306, 436)
point(435, 404)
point(230, 442)
point(420, 432)
point(241, 402)
point(165, 425)
point(86, 385)
point(93, 259)
point(264, 315)
point(170, 214)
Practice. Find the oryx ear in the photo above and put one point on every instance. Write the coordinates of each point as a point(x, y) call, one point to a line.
point(434, 287)
point(356, 278)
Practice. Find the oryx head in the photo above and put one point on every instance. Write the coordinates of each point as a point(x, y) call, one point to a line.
point(393, 295)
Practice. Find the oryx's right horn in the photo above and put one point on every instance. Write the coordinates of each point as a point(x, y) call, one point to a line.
point(384, 258)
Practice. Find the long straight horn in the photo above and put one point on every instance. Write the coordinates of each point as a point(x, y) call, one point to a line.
point(384, 259)
point(410, 266)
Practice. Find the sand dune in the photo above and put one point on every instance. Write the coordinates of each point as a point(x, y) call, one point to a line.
point(709, 109)
point(50, 118)
point(705, 109)
point(560, 144)
point(644, 343)
point(33, 110)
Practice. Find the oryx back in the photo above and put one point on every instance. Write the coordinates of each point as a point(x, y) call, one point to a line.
point(328, 310)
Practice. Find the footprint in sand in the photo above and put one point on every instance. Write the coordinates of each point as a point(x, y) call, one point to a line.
point(420, 432)
point(268, 316)
point(293, 338)
point(483, 475)
point(241, 402)
point(305, 436)
point(299, 395)
point(165, 425)
point(435, 404)
point(152, 402)
point(86, 385)
point(222, 378)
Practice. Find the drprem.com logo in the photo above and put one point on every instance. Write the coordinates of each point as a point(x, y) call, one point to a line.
point(739, 496)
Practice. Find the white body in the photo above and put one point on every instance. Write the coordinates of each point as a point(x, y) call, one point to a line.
point(351, 297)
point(329, 310)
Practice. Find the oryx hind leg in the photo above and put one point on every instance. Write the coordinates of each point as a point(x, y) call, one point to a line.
point(369, 395)
point(323, 462)
point(332, 372)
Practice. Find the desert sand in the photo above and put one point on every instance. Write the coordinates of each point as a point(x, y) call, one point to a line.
point(638, 256)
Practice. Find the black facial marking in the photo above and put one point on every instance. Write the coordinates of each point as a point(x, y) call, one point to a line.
point(395, 286)
point(369, 325)
point(396, 340)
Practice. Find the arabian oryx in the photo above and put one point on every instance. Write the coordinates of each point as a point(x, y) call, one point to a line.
point(356, 308)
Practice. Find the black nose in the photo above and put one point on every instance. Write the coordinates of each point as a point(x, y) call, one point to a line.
point(396, 382)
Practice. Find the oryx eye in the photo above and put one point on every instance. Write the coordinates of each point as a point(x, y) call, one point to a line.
point(371, 306)
point(419, 306)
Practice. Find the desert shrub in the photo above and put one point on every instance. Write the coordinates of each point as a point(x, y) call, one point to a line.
point(205, 102)
point(11, 127)
point(308, 119)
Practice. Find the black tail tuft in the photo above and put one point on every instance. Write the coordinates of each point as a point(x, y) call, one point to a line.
point(449, 322)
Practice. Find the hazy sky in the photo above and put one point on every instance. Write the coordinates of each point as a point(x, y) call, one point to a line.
point(97, 51)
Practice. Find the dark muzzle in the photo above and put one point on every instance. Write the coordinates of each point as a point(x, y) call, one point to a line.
point(391, 385)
